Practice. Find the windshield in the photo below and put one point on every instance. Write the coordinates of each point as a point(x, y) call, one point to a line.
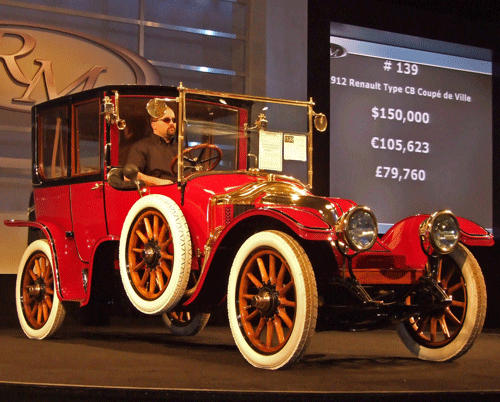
point(263, 135)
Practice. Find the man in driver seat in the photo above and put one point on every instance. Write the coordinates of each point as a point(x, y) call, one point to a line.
point(153, 155)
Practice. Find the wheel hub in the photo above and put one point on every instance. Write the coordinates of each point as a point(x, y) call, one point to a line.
point(266, 300)
point(37, 290)
point(151, 254)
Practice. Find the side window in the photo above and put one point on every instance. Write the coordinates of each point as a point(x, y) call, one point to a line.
point(53, 143)
point(86, 147)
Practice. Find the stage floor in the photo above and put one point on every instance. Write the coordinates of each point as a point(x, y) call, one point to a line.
point(146, 362)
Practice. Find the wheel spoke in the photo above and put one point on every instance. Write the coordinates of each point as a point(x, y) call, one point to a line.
point(457, 303)
point(444, 327)
point(156, 224)
point(149, 230)
point(454, 288)
point(452, 316)
point(208, 159)
point(145, 278)
point(39, 314)
point(286, 288)
point(163, 233)
point(166, 270)
point(45, 310)
point(43, 268)
point(269, 334)
point(272, 269)
point(252, 315)
point(279, 329)
point(281, 276)
point(48, 300)
point(446, 279)
point(433, 329)
point(286, 319)
point(254, 280)
point(32, 274)
point(166, 256)
point(38, 267)
point(159, 279)
point(287, 303)
point(143, 237)
point(260, 328)
point(137, 267)
point(263, 271)
point(421, 324)
point(30, 312)
point(167, 243)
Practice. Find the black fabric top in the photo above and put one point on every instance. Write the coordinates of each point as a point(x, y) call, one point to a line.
point(153, 156)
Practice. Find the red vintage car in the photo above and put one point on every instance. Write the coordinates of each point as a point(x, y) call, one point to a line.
point(237, 223)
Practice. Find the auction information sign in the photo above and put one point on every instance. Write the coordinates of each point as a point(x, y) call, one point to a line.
point(411, 131)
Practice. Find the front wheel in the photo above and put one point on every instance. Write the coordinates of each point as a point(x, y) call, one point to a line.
point(449, 333)
point(39, 309)
point(155, 254)
point(272, 300)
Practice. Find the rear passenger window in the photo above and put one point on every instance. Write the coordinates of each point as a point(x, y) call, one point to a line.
point(53, 143)
point(86, 139)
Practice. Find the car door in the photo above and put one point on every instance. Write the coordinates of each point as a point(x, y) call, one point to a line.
point(86, 189)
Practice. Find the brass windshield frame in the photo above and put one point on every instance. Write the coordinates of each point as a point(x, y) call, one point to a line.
point(183, 91)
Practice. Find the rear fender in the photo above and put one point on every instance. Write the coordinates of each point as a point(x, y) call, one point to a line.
point(64, 254)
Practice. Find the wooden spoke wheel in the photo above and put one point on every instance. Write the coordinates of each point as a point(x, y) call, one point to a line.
point(448, 333)
point(39, 310)
point(185, 323)
point(202, 157)
point(150, 254)
point(155, 254)
point(272, 300)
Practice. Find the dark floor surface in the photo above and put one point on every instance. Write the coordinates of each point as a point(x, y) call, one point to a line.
point(144, 362)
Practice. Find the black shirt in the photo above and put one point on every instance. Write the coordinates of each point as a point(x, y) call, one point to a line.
point(153, 156)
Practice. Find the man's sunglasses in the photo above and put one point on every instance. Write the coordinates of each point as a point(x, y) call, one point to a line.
point(168, 120)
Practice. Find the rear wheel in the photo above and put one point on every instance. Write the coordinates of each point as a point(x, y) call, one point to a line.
point(185, 323)
point(272, 300)
point(449, 333)
point(39, 309)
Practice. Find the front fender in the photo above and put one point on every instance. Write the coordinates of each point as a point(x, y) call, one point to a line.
point(473, 234)
point(404, 238)
point(304, 224)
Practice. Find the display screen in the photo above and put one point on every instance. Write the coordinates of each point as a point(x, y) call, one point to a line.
point(410, 125)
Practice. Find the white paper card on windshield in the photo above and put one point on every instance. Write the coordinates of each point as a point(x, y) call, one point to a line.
point(295, 147)
point(270, 150)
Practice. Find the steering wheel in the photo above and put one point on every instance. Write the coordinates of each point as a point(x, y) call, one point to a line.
point(201, 157)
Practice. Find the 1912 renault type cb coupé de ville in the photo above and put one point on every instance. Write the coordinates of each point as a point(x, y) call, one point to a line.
point(238, 223)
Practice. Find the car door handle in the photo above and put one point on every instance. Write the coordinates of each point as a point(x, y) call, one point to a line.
point(97, 186)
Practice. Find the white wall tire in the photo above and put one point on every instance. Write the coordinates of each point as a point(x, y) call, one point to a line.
point(155, 254)
point(448, 335)
point(185, 323)
point(39, 309)
point(272, 271)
